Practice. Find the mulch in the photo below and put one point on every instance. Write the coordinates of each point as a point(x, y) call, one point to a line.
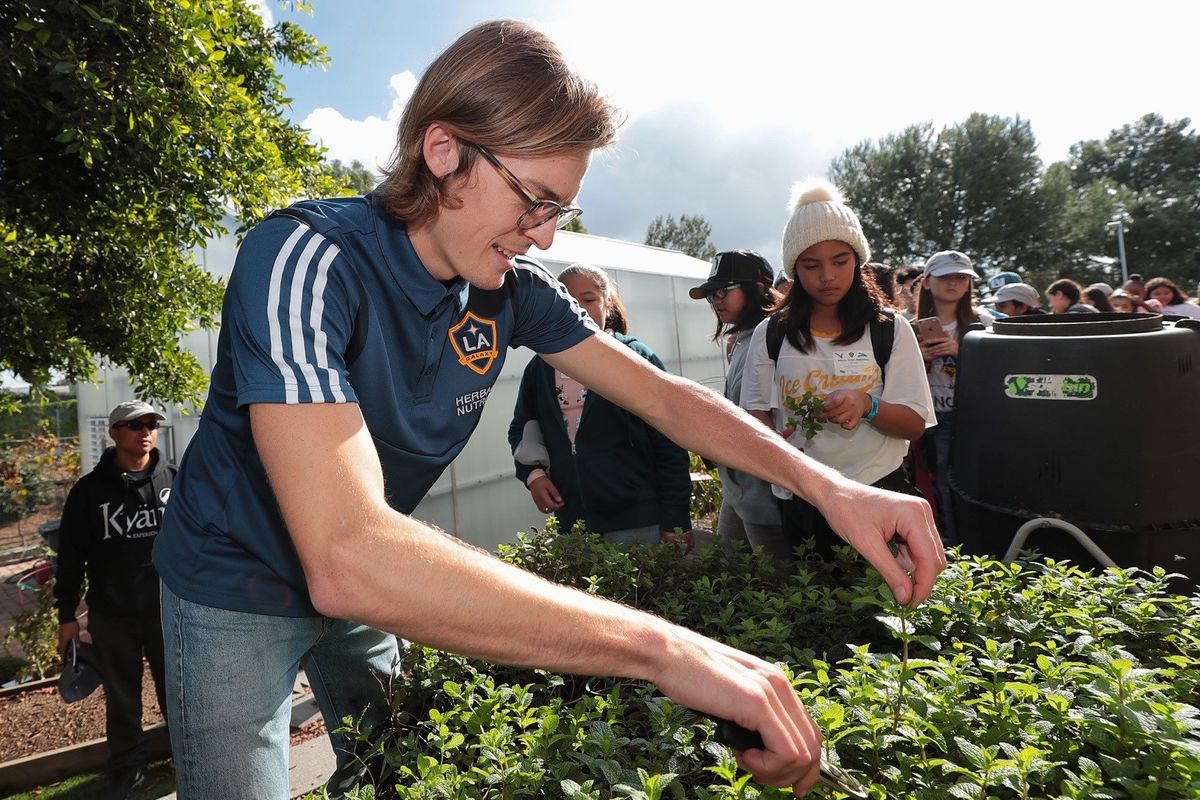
point(39, 721)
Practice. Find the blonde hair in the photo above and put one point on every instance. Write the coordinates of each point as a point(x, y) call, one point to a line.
point(502, 85)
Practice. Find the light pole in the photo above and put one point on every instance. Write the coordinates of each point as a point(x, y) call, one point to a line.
point(1118, 222)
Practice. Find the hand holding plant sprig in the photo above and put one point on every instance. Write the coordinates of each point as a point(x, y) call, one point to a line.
point(803, 413)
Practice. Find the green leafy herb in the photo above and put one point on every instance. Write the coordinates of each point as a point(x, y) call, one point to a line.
point(804, 411)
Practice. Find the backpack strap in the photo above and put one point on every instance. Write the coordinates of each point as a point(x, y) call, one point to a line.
point(775, 334)
point(883, 336)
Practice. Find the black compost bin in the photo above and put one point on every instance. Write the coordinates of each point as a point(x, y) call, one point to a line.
point(1090, 418)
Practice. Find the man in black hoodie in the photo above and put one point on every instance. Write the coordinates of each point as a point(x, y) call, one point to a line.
point(107, 532)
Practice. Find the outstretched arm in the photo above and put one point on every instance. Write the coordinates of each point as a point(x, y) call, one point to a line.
point(366, 562)
point(704, 422)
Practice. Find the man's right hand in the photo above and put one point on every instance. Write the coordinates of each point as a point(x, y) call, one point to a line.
point(67, 632)
point(716, 679)
point(545, 494)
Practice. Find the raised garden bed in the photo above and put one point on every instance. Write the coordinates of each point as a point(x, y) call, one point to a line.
point(1013, 681)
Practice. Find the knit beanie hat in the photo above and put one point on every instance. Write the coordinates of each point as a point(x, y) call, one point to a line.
point(819, 215)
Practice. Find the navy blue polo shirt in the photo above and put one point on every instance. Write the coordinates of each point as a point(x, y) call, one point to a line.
point(307, 282)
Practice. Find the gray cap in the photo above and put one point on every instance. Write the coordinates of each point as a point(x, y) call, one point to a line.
point(132, 409)
point(1104, 287)
point(1020, 292)
point(80, 675)
point(949, 262)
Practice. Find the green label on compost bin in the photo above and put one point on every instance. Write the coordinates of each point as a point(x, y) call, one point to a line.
point(1051, 387)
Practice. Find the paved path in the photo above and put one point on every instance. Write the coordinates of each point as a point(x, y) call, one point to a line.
point(311, 765)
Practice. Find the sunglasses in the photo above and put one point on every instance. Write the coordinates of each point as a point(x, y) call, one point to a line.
point(138, 425)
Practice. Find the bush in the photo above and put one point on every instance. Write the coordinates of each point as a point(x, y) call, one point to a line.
point(1012, 681)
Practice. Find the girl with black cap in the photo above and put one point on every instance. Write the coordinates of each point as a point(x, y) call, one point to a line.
point(739, 290)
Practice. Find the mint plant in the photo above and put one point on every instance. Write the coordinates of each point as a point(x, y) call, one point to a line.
point(803, 412)
point(1015, 680)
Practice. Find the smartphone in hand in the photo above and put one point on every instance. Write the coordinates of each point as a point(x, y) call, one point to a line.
point(929, 328)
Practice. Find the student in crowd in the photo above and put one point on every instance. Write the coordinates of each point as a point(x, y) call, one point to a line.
point(907, 282)
point(739, 290)
point(783, 284)
point(1171, 297)
point(616, 318)
point(1122, 302)
point(360, 337)
point(1016, 300)
point(1066, 297)
point(109, 523)
point(882, 275)
point(1098, 299)
point(599, 463)
point(833, 340)
point(946, 294)
point(1135, 286)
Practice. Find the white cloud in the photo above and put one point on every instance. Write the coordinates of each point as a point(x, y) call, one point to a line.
point(728, 108)
point(367, 140)
point(261, 8)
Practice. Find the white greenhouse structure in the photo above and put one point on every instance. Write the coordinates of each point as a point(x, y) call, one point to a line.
point(478, 498)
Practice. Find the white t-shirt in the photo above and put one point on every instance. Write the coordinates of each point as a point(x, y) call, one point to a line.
point(943, 370)
point(1183, 310)
point(864, 454)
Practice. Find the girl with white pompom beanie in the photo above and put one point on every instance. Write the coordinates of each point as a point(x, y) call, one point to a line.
point(819, 346)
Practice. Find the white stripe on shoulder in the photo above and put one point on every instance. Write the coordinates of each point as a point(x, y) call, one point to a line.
point(320, 341)
point(296, 321)
point(291, 394)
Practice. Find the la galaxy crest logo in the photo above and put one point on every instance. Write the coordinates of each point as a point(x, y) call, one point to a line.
point(474, 339)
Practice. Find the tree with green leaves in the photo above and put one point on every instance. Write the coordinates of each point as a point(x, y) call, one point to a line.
point(1151, 168)
point(128, 130)
point(689, 235)
point(354, 175)
point(974, 187)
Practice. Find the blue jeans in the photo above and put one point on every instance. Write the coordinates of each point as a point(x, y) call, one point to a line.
point(648, 534)
point(229, 690)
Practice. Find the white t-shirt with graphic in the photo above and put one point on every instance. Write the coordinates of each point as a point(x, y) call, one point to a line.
point(943, 370)
point(864, 454)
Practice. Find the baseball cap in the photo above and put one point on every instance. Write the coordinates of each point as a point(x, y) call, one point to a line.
point(1104, 287)
point(1002, 279)
point(80, 675)
point(734, 266)
point(132, 409)
point(1020, 292)
point(949, 262)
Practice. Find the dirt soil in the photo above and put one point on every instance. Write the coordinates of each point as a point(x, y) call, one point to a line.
point(38, 721)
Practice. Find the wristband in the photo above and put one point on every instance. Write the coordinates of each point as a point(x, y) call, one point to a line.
point(874, 412)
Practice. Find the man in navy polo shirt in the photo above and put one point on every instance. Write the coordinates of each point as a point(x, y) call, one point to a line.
point(359, 339)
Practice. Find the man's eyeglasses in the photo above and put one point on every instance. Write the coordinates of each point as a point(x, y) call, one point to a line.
point(720, 293)
point(138, 425)
point(540, 211)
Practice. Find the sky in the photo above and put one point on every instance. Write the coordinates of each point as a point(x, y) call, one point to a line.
point(728, 107)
